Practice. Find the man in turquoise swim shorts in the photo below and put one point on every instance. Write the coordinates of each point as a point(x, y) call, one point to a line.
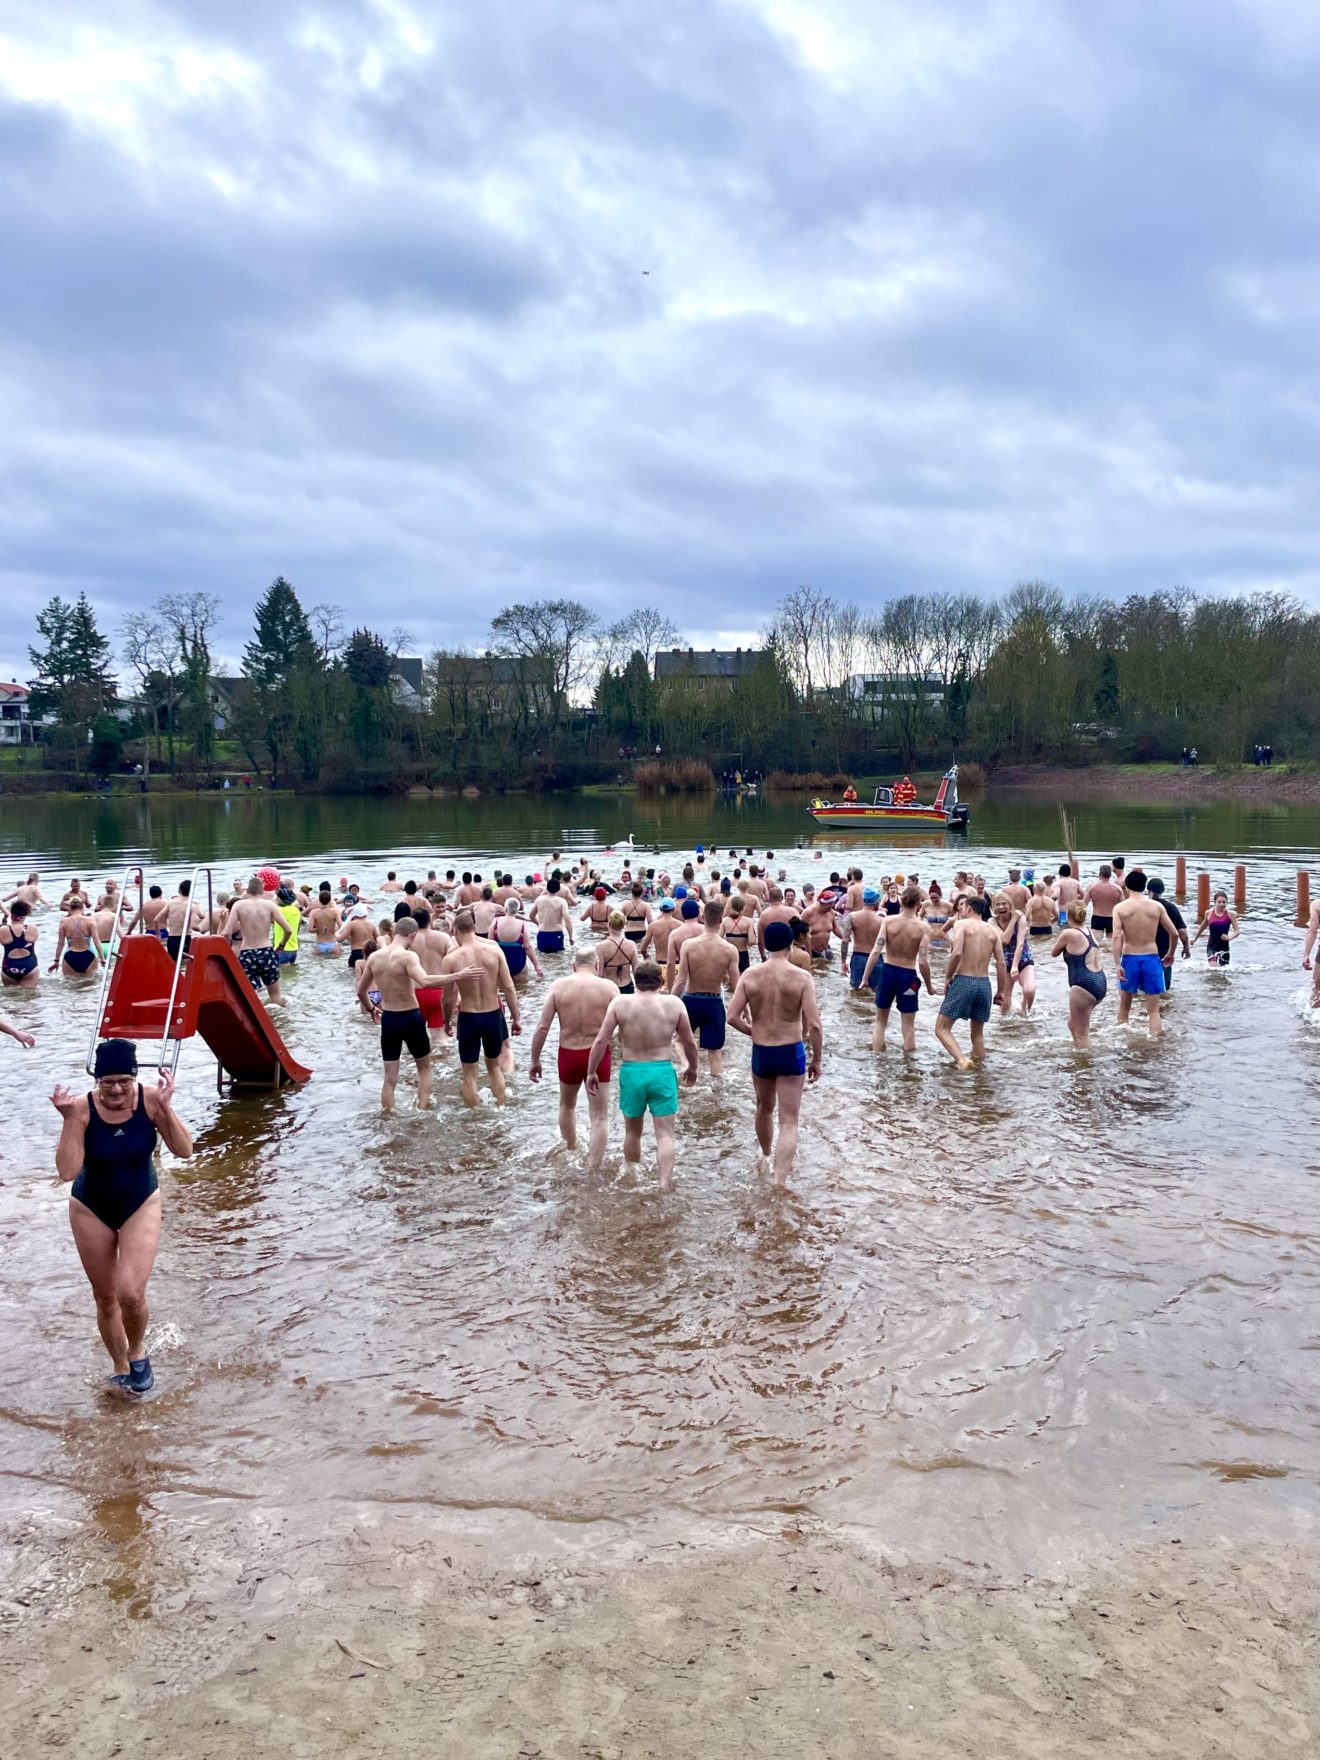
point(646, 1023)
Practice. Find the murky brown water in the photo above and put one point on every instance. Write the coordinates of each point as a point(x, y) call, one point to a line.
point(1000, 1314)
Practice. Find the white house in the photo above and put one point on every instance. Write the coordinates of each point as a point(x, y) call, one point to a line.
point(878, 693)
point(16, 725)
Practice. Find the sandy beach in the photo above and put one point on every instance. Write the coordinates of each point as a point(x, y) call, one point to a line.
point(796, 1642)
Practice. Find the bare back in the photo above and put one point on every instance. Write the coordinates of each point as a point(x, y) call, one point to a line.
point(781, 1000)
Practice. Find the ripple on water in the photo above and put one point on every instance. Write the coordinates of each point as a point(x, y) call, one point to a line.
point(1050, 1290)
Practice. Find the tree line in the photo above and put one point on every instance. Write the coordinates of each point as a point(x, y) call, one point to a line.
point(556, 694)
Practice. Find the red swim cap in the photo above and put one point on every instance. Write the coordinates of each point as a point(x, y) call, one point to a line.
point(600, 892)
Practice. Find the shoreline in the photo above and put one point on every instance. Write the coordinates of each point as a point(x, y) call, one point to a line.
point(1279, 786)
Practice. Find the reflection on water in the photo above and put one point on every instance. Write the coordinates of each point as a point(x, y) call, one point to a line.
point(1064, 1295)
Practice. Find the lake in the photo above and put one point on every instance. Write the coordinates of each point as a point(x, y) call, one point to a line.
point(1030, 1317)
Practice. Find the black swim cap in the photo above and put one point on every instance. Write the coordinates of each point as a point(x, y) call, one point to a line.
point(778, 936)
point(115, 1057)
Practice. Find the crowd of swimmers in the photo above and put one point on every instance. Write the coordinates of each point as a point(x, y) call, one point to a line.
point(647, 972)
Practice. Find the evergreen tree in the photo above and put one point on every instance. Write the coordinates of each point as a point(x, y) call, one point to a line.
point(1106, 692)
point(52, 665)
point(280, 662)
point(283, 641)
point(89, 653)
point(367, 660)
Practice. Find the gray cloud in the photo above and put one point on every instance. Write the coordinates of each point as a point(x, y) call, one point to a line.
point(941, 296)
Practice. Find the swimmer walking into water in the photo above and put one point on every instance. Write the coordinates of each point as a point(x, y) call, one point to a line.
point(580, 1003)
point(1137, 921)
point(395, 971)
point(1308, 962)
point(107, 1144)
point(707, 967)
point(967, 991)
point(646, 1023)
point(775, 1005)
point(483, 977)
point(897, 966)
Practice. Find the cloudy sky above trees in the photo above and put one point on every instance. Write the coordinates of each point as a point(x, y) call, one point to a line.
point(435, 307)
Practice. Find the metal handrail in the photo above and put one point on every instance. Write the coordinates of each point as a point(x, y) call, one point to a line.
point(112, 954)
point(185, 940)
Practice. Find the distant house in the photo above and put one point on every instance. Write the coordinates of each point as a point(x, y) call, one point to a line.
point(407, 683)
point(223, 694)
point(880, 693)
point(16, 725)
point(714, 668)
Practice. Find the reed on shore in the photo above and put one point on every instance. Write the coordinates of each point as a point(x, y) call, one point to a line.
point(806, 782)
point(674, 776)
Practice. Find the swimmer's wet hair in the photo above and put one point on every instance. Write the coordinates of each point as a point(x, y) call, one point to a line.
point(713, 913)
point(647, 975)
point(406, 925)
point(1077, 913)
point(465, 921)
point(585, 955)
point(617, 919)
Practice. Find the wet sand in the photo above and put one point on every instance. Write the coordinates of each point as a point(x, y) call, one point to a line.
point(1004, 1418)
point(798, 1644)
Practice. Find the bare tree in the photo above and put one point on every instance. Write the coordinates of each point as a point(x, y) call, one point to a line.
point(328, 625)
point(801, 618)
point(643, 631)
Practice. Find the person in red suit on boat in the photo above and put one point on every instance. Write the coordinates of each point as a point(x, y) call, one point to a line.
point(905, 793)
point(850, 796)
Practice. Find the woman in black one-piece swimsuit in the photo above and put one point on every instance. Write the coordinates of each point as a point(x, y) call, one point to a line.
point(106, 1148)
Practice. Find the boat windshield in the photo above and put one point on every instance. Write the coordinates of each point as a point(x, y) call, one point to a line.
point(884, 797)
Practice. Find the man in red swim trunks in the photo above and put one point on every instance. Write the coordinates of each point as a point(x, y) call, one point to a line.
point(581, 1002)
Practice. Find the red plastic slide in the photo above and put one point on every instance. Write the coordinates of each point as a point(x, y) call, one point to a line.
point(214, 999)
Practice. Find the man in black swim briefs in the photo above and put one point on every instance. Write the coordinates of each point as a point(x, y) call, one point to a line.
point(775, 1005)
point(395, 972)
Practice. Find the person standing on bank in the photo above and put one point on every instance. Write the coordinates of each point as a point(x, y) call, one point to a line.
point(107, 1147)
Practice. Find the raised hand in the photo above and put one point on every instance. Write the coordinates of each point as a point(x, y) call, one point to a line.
point(64, 1100)
point(165, 1086)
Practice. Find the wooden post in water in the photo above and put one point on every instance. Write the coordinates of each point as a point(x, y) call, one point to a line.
point(1239, 888)
point(1303, 898)
point(1202, 897)
point(1180, 877)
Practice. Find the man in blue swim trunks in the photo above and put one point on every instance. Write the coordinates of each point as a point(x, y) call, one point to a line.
point(1137, 923)
point(861, 931)
point(898, 967)
point(646, 1023)
point(775, 1005)
point(707, 966)
point(553, 919)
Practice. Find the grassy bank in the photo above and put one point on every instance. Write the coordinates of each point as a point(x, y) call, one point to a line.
point(1280, 784)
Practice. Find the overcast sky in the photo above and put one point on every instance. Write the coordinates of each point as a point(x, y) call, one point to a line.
point(436, 307)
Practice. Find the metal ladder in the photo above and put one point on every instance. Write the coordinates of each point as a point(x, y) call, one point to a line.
point(170, 1047)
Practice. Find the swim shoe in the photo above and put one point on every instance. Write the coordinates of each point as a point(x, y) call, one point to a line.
point(117, 1384)
point(140, 1378)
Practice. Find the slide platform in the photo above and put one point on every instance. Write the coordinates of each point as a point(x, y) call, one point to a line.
point(214, 1000)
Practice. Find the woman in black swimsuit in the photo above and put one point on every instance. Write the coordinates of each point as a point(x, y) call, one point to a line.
point(76, 943)
point(616, 957)
point(637, 915)
point(106, 1148)
point(18, 947)
point(1087, 984)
